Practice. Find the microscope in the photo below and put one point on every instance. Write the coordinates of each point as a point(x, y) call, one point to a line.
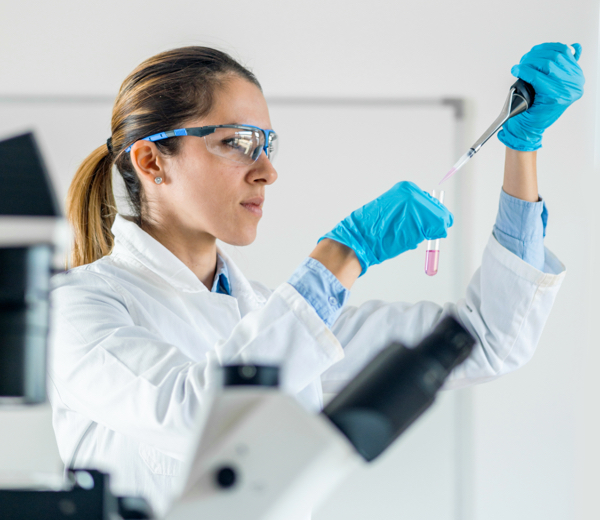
point(33, 241)
point(258, 454)
point(30, 226)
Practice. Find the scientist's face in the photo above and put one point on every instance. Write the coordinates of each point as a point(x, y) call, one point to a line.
point(210, 194)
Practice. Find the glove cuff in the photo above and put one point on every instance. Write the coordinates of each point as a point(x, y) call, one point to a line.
point(520, 143)
point(345, 233)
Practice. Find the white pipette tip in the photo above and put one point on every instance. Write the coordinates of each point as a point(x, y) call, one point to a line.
point(448, 175)
point(459, 164)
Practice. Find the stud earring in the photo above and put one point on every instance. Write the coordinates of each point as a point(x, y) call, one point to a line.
point(157, 180)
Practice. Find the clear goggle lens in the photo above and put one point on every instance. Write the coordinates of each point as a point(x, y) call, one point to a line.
point(241, 145)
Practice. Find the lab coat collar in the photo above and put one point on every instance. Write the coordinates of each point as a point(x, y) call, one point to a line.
point(131, 240)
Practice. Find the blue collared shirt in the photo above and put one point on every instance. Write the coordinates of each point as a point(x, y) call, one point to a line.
point(520, 227)
point(221, 281)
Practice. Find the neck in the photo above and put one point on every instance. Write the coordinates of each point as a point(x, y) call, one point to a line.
point(197, 250)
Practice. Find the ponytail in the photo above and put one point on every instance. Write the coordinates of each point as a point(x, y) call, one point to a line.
point(91, 208)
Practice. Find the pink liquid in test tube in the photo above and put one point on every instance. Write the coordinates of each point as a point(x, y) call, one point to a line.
point(432, 258)
point(432, 254)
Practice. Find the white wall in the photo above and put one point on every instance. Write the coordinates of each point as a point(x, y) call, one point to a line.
point(534, 448)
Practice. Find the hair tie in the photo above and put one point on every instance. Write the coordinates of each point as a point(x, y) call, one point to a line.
point(109, 145)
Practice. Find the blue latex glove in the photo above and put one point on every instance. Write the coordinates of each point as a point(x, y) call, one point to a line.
point(558, 81)
point(395, 222)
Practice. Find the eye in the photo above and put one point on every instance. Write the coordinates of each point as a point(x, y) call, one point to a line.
point(232, 142)
point(242, 144)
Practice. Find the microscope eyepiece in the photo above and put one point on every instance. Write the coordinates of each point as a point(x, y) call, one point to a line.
point(396, 387)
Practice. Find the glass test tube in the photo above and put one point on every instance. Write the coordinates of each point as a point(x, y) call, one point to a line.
point(432, 255)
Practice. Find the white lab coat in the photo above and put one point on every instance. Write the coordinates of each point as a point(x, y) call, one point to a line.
point(135, 335)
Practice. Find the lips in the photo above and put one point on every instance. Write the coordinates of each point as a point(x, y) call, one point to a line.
point(254, 205)
point(256, 201)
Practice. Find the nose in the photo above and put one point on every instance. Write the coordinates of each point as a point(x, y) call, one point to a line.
point(262, 171)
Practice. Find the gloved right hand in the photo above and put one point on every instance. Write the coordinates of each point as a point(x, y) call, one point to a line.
point(553, 72)
point(395, 222)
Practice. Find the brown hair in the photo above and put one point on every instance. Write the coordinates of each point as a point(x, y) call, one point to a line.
point(161, 94)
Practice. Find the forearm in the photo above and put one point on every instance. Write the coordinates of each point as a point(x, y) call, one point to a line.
point(520, 175)
point(521, 221)
point(325, 278)
point(339, 259)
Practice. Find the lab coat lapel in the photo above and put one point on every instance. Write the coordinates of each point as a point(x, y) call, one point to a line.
point(241, 289)
point(134, 241)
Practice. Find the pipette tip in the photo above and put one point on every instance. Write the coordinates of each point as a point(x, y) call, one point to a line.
point(459, 164)
point(448, 175)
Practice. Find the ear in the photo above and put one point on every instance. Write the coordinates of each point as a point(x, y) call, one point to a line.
point(147, 160)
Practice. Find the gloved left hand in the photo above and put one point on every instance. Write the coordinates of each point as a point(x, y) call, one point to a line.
point(394, 222)
point(557, 79)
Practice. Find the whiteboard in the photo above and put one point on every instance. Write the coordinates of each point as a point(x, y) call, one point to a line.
point(334, 157)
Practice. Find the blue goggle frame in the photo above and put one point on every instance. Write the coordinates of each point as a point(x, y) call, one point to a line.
point(202, 131)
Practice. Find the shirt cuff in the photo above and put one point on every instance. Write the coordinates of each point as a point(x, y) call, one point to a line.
point(319, 287)
point(521, 227)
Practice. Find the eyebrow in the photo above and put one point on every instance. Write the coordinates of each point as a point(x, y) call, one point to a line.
point(245, 124)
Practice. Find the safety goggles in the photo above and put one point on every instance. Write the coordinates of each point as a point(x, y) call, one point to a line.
point(240, 143)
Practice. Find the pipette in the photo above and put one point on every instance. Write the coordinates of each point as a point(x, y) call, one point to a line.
point(519, 99)
point(432, 254)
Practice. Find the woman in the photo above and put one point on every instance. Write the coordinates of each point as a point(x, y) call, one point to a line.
point(151, 303)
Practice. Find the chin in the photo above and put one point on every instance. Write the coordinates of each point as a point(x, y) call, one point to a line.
point(241, 239)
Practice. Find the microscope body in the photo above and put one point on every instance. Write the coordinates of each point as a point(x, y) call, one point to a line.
point(261, 455)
